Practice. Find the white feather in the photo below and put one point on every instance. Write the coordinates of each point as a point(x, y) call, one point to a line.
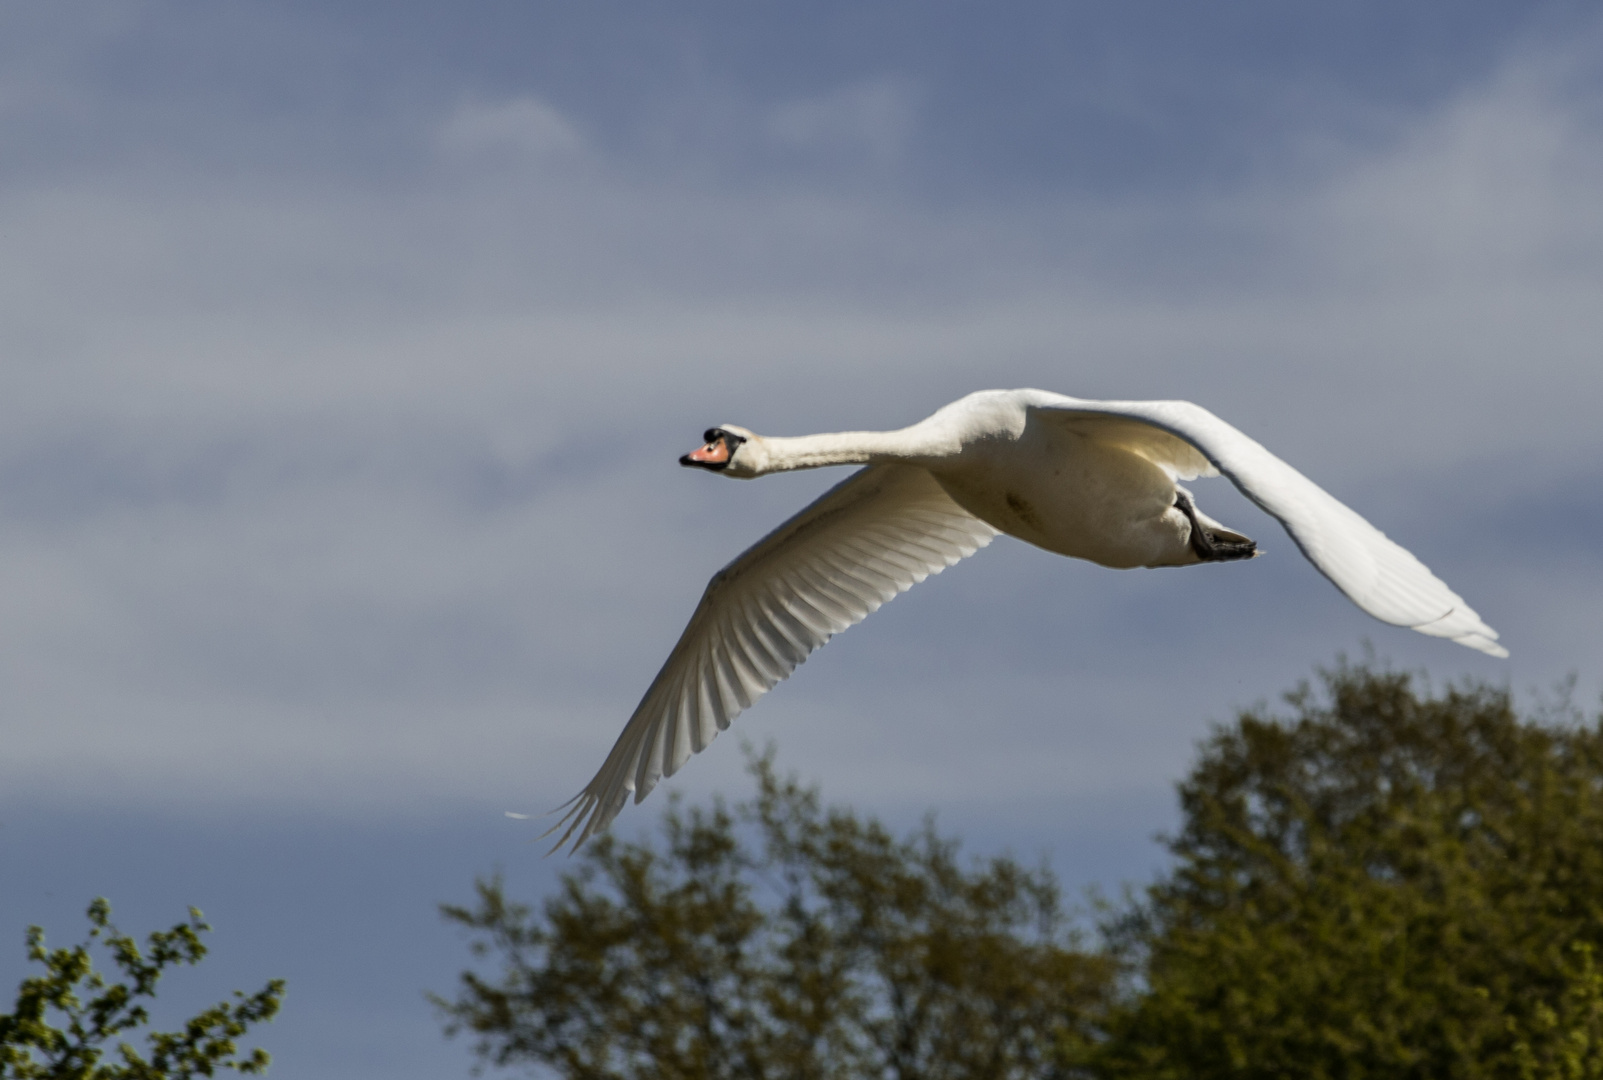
point(878, 533)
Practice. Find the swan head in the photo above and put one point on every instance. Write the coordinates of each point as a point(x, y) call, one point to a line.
point(730, 450)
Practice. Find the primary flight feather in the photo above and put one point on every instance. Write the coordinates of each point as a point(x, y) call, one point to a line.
point(1094, 480)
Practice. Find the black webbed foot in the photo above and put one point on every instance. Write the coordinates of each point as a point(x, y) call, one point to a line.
point(1209, 545)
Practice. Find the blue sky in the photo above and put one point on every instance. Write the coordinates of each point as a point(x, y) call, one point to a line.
point(348, 350)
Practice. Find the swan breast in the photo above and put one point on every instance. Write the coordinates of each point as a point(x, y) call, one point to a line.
point(1072, 494)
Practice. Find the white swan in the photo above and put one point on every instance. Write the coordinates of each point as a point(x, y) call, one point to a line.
point(1091, 479)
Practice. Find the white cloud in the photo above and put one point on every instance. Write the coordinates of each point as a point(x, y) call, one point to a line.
point(1503, 184)
point(522, 125)
point(874, 118)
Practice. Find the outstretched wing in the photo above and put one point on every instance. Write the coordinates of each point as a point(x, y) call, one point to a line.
point(862, 542)
point(1376, 573)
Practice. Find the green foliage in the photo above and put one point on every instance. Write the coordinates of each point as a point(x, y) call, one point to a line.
point(92, 1012)
point(1384, 884)
point(781, 940)
point(1570, 1036)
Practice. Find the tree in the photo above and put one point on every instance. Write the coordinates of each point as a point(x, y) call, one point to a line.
point(92, 1013)
point(1386, 883)
point(781, 940)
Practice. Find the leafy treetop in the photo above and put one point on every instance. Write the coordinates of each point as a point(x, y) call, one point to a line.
point(63, 1019)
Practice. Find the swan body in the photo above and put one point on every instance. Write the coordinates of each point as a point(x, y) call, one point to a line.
point(1095, 480)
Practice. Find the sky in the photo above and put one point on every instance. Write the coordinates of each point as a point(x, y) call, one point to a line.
point(347, 350)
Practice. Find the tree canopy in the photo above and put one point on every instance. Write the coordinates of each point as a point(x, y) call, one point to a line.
point(1383, 881)
point(64, 1020)
point(780, 939)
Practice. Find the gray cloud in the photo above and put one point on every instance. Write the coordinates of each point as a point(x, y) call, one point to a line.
point(874, 118)
point(350, 492)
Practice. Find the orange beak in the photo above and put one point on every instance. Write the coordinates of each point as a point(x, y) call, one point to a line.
point(714, 453)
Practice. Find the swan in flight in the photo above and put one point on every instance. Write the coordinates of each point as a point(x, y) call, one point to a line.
point(1090, 479)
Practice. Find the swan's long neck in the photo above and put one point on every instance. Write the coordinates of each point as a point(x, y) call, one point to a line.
point(844, 448)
